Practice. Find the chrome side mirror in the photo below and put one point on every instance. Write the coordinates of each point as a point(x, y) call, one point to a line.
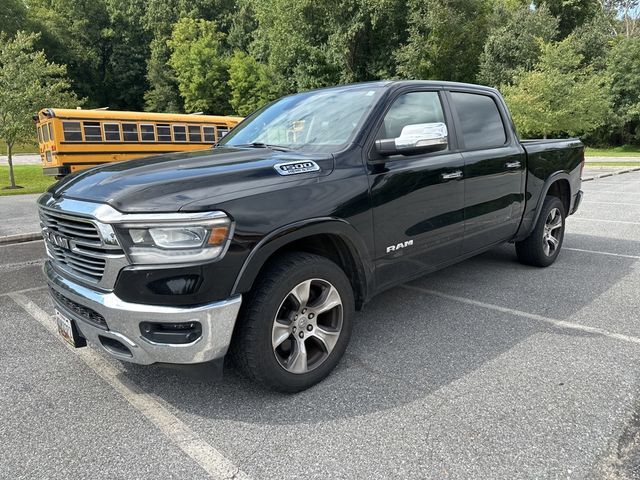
point(415, 139)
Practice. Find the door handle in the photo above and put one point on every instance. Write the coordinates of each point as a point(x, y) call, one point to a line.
point(452, 175)
point(515, 164)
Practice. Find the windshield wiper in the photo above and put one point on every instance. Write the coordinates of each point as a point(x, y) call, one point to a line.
point(280, 148)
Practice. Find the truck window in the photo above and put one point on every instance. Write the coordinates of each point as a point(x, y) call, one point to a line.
point(480, 120)
point(411, 109)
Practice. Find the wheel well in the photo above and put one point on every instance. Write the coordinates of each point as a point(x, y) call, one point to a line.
point(562, 190)
point(336, 249)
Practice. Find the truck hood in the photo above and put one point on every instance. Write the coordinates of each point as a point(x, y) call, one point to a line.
point(166, 183)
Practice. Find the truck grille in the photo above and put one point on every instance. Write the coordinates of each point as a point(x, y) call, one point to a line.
point(68, 226)
point(81, 311)
point(74, 244)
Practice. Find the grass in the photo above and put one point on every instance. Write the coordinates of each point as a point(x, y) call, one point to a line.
point(614, 164)
point(28, 176)
point(623, 151)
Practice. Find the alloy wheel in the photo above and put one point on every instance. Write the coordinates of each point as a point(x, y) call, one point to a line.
point(307, 326)
point(552, 232)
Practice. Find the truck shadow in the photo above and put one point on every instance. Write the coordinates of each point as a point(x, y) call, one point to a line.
point(408, 344)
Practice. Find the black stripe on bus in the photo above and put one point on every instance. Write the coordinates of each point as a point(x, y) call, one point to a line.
point(145, 122)
point(143, 152)
point(135, 143)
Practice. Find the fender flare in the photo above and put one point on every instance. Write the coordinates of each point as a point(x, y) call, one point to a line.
point(296, 231)
point(554, 177)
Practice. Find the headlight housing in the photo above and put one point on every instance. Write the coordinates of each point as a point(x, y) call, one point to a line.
point(176, 238)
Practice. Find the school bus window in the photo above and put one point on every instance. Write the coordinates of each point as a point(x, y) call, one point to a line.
point(92, 132)
point(147, 133)
point(130, 132)
point(39, 134)
point(194, 133)
point(111, 132)
point(164, 132)
point(179, 133)
point(50, 131)
point(222, 131)
point(209, 134)
point(45, 133)
point(71, 131)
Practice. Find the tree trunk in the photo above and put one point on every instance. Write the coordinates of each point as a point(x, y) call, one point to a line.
point(12, 178)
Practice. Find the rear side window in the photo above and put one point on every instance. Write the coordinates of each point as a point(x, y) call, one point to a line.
point(480, 120)
point(164, 132)
point(179, 133)
point(130, 132)
point(111, 132)
point(194, 133)
point(147, 133)
point(92, 132)
point(209, 134)
point(71, 131)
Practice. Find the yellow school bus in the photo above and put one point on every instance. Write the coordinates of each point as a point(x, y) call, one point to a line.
point(72, 140)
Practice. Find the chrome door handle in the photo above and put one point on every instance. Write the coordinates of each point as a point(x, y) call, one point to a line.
point(513, 165)
point(452, 175)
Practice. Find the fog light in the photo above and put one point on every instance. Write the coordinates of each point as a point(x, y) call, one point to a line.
point(171, 333)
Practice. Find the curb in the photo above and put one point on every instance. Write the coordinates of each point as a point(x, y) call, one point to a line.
point(611, 174)
point(20, 238)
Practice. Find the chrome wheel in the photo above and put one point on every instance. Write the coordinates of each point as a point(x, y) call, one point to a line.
point(552, 232)
point(307, 326)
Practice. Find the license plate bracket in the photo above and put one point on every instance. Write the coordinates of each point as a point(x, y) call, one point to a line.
point(68, 330)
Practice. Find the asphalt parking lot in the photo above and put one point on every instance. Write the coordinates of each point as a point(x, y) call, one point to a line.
point(488, 369)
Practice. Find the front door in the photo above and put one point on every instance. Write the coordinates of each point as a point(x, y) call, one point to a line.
point(418, 200)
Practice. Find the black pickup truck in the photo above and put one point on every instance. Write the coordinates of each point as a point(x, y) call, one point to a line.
point(265, 245)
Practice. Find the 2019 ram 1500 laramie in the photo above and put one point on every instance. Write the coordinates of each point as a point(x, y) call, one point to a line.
point(267, 244)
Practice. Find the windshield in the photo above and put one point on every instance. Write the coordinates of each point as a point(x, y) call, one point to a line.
point(317, 121)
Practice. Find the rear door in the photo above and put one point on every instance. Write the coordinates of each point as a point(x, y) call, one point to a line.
point(417, 200)
point(494, 169)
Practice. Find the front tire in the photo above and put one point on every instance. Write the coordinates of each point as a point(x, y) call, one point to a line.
point(542, 247)
point(295, 323)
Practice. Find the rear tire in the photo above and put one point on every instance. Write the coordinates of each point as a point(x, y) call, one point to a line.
point(542, 247)
point(295, 323)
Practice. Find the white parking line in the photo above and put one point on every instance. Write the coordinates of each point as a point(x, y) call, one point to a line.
point(603, 220)
point(24, 290)
point(634, 257)
point(611, 203)
point(206, 456)
point(532, 316)
point(596, 192)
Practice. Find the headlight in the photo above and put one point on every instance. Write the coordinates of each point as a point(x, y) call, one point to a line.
point(175, 241)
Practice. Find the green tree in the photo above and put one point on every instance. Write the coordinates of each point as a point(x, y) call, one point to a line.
point(313, 44)
point(446, 38)
point(13, 16)
point(514, 44)
point(159, 20)
point(200, 65)
point(77, 33)
point(571, 13)
point(251, 84)
point(623, 67)
point(28, 82)
point(560, 96)
point(129, 50)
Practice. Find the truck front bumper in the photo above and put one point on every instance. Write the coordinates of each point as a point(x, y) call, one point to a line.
point(113, 325)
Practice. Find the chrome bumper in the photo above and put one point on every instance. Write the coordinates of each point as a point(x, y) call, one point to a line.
point(123, 320)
